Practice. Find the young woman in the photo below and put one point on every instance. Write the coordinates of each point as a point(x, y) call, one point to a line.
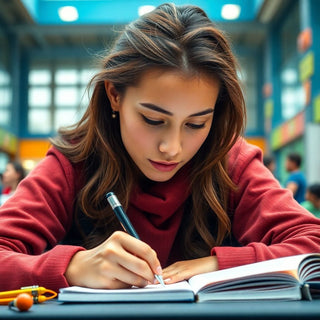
point(163, 132)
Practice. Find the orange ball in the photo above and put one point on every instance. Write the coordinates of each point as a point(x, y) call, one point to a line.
point(23, 301)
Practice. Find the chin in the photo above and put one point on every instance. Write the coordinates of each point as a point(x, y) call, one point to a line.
point(160, 177)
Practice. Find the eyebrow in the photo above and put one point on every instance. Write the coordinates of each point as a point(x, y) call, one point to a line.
point(158, 109)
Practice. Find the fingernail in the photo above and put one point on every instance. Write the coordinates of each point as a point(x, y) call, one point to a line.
point(159, 270)
point(167, 280)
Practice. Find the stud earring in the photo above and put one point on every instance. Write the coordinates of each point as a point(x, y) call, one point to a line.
point(114, 114)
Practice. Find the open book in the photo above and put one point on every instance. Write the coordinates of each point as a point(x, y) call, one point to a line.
point(289, 278)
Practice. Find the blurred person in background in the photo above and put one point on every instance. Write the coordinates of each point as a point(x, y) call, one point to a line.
point(312, 202)
point(296, 181)
point(0, 183)
point(270, 163)
point(11, 177)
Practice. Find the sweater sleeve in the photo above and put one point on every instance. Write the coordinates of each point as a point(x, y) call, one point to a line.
point(35, 219)
point(266, 221)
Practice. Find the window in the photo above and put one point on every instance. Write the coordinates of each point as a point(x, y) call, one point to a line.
point(5, 98)
point(39, 101)
point(5, 85)
point(56, 95)
point(292, 94)
point(248, 76)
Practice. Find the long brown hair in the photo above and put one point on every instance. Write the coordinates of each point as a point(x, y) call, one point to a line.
point(173, 38)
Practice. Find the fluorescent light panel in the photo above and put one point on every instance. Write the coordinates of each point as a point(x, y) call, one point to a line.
point(68, 13)
point(230, 11)
point(145, 9)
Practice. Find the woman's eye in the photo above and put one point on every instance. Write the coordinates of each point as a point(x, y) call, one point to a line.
point(152, 122)
point(195, 126)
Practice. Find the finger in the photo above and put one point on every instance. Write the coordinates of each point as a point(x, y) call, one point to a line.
point(173, 277)
point(118, 284)
point(134, 270)
point(123, 250)
point(184, 270)
point(129, 277)
point(141, 250)
point(171, 270)
point(113, 275)
point(178, 271)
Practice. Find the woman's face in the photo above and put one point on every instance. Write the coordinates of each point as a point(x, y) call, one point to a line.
point(165, 119)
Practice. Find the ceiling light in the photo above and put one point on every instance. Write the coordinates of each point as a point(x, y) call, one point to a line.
point(145, 9)
point(68, 13)
point(230, 11)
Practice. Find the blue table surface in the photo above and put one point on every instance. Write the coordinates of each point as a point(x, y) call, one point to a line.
point(205, 310)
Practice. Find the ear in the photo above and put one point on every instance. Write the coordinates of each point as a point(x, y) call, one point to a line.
point(113, 95)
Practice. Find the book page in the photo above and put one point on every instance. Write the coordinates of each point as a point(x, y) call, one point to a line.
point(183, 285)
point(285, 265)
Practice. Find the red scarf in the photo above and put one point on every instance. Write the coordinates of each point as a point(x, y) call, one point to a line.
point(156, 213)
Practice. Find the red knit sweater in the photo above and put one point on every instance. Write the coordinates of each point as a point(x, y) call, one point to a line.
point(266, 220)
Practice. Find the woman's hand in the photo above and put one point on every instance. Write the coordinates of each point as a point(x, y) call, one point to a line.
point(184, 270)
point(119, 262)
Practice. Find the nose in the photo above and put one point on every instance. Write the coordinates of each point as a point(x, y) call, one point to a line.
point(171, 144)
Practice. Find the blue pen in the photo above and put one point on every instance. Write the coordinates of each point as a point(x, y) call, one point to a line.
point(125, 222)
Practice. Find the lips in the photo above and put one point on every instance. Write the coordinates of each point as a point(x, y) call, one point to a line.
point(164, 166)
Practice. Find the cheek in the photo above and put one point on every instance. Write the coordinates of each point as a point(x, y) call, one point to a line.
point(134, 135)
point(201, 138)
point(195, 142)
